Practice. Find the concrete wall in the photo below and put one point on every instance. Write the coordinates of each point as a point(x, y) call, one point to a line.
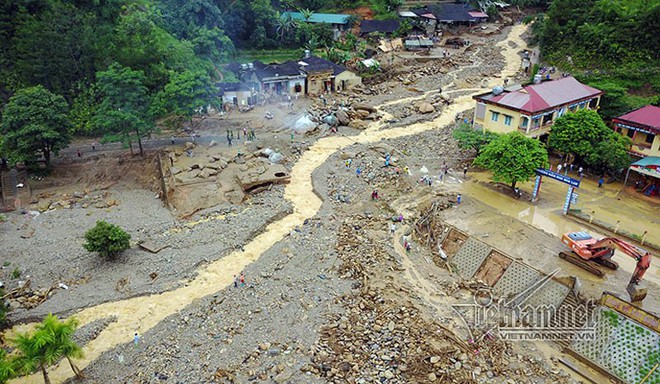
point(499, 126)
point(640, 145)
point(241, 96)
point(346, 80)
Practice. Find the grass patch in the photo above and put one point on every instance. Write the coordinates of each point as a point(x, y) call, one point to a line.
point(267, 55)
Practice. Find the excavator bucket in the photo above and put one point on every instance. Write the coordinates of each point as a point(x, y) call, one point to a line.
point(636, 294)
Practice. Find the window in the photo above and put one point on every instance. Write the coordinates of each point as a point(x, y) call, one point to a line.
point(507, 120)
point(630, 133)
point(561, 112)
point(524, 122)
point(536, 122)
point(547, 119)
point(494, 116)
point(649, 138)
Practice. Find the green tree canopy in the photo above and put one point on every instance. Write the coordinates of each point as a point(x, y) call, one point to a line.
point(187, 94)
point(107, 239)
point(469, 138)
point(578, 133)
point(512, 158)
point(610, 155)
point(50, 342)
point(123, 114)
point(34, 123)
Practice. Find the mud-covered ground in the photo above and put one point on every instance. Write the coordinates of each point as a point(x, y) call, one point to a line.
point(336, 300)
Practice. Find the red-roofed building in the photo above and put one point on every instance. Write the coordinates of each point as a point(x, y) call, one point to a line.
point(531, 109)
point(643, 127)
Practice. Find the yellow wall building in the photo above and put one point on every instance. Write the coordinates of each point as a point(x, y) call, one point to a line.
point(642, 126)
point(532, 109)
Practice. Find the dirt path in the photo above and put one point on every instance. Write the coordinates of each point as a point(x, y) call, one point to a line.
point(143, 313)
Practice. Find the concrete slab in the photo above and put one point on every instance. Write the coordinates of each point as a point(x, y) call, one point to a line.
point(469, 258)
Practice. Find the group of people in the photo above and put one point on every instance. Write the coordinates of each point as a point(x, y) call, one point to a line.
point(246, 135)
point(565, 167)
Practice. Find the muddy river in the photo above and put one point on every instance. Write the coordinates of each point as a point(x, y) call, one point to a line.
point(143, 313)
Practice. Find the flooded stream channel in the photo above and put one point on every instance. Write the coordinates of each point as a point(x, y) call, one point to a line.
point(143, 313)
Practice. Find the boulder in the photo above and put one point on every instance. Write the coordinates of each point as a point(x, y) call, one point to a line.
point(342, 117)
point(364, 107)
point(189, 145)
point(206, 173)
point(361, 113)
point(425, 108)
point(213, 143)
point(175, 170)
point(358, 124)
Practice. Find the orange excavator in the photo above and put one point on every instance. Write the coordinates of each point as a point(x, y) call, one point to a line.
point(586, 251)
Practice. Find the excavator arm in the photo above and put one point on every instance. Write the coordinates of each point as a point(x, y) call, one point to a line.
point(606, 245)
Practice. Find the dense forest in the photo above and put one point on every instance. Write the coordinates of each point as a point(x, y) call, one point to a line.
point(113, 68)
point(610, 44)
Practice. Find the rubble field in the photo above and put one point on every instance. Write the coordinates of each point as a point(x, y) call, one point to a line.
point(337, 299)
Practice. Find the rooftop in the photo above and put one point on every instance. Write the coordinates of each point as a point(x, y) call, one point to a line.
point(314, 63)
point(383, 26)
point(539, 97)
point(448, 12)
point(288, 68)
point(330, 18)
point(648, 116)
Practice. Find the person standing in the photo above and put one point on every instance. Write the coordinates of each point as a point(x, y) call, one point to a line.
point(558, 168)
point(580, 170)
point(358, 172)
point(172, 140)
point(465, 171)
point(235, 281)
point(458, 199)
point(600, 182)
point(392, 228)
point(136, 339)
point(242, 279)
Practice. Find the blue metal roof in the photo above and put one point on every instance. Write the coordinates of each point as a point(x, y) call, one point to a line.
point(329, 18)
point(648, 161)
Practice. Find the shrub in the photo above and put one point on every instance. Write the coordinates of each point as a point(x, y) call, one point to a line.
point(106, 239)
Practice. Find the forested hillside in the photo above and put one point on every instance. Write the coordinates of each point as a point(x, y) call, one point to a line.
point(614, 44)
point(62, 44)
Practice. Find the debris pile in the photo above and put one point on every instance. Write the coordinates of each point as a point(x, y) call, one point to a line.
point(383, 335)
point(85, 199)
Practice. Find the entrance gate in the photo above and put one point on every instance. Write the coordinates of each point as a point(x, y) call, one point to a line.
point(571, 196)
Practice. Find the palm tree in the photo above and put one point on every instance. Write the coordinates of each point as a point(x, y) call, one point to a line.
point(306, 13)
point(49, 343)
point(285, 24)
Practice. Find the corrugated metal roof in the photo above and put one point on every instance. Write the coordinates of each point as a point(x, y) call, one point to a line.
point(477, 14)
point(330, 18)
point(538, 97)
point(383, 26)
point(562, 91)
point(649, 116)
